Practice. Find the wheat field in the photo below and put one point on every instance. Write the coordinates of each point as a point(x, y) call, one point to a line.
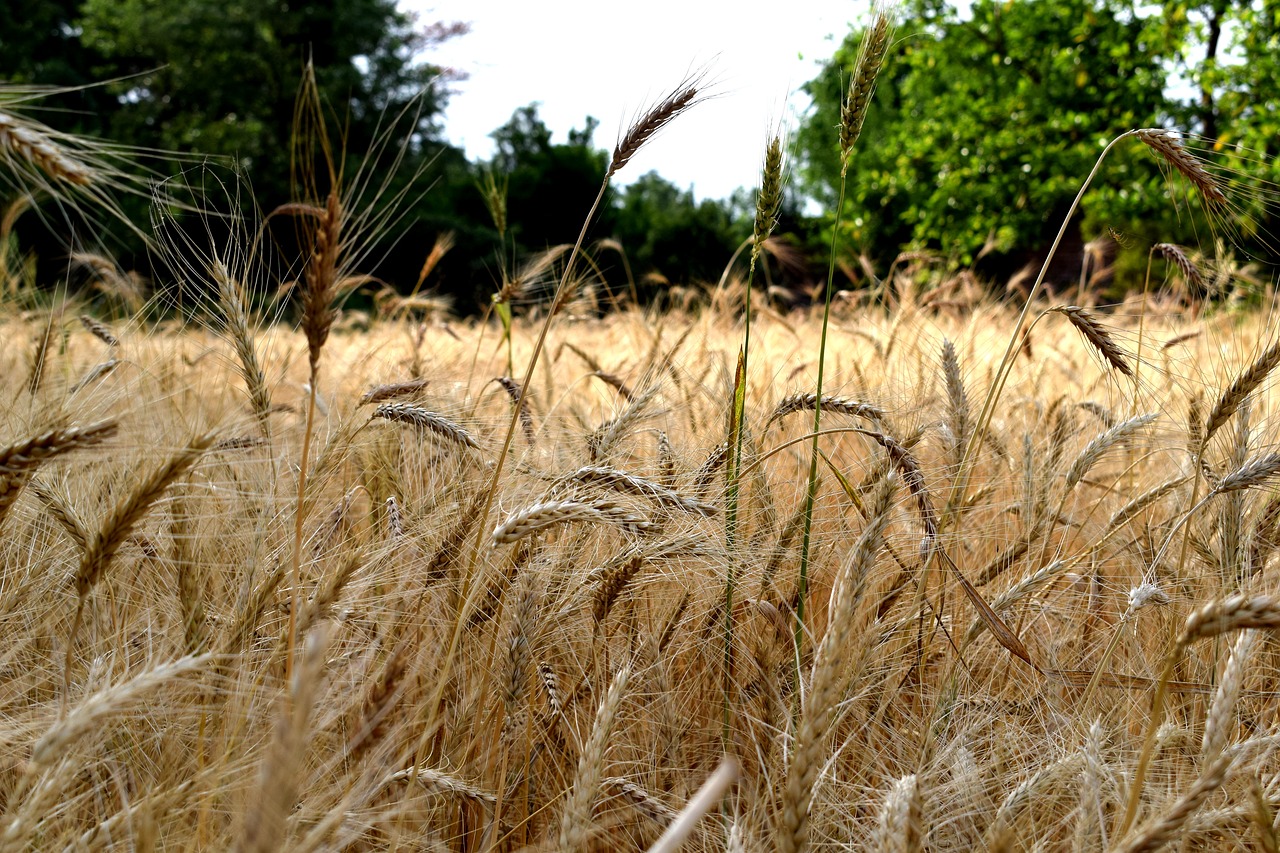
point(568, 676)
point(917, 568)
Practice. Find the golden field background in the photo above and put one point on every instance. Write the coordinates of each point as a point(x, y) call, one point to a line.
point(573, 686)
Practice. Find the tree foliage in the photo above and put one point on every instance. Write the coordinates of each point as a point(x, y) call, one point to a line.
point(986, 122)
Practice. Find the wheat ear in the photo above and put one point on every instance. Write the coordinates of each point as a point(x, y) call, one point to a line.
point(1097, 335)
point(825, 684)
point(900, 825)
point(99, 330)
point(28, 141)
point(1240, 388)
point(278, 782)
point(18, 461)
point(393, 391)
point(575, 823)
point(540, 516)
point(1219, 723)
point(862, 84)
point(658, 117)
point(1169, 146)
point(407, 413)
point(1162, 830)
point(235, 314)
point(90, 713)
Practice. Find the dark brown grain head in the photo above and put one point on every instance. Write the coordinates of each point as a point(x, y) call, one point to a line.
point(658, 117)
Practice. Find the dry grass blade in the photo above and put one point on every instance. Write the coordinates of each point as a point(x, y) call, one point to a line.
point(712, 792)
point(407, 413)
point(1094, 332)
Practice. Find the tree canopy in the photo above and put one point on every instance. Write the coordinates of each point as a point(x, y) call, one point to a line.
point(986, 122)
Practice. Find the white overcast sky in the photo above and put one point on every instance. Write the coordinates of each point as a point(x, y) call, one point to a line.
point(610, 59)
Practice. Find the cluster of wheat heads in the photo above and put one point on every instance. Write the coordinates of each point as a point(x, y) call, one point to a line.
point(147, 548)
point(972, 575)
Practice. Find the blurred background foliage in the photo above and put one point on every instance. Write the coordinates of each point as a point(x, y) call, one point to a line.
point(984, 124)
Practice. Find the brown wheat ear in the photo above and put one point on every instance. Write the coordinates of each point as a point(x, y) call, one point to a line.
point(1169, 146)
point(99, 330)
point(1239, 390)
point(1096, 334)
point(641, 131)
point(1179, 258)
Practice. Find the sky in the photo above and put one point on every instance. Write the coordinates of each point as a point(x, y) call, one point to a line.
point(612, 60)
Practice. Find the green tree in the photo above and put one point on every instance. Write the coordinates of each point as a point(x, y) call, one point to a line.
point(984, 125)
point(220, 77)
point(549, 185)
point(665, 230)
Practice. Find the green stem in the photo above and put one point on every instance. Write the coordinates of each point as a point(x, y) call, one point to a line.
point(811, 489)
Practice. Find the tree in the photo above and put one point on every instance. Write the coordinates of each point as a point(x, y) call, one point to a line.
point(984, 126)
point(664, 230)
point(220, 77)
point(549, 186)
